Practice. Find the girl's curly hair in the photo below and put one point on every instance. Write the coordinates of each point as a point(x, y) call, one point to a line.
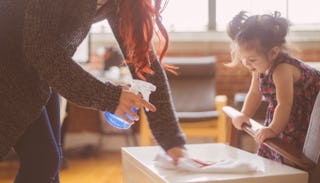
point(267, 30)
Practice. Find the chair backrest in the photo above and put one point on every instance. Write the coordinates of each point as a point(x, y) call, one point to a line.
point(193, 89)
point(308, 158)
point(311, 146)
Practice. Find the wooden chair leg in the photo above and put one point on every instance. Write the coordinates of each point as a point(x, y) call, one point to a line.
point(145, 138)
point(221, 101)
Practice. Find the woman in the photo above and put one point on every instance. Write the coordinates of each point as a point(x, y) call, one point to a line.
point(37, 41)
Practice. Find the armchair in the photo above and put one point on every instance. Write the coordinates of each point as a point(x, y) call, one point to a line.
point(306, 159)
point(198, 107)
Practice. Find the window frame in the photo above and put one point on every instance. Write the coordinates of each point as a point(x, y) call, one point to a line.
point(296, 33)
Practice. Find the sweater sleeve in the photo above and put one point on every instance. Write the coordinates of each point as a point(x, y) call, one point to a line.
point(163, 123)
point(52, 63)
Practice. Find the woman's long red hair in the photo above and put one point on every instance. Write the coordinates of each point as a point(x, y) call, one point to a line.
point(139, 20)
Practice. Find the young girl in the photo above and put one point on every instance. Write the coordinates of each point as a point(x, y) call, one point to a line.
point(289, 85)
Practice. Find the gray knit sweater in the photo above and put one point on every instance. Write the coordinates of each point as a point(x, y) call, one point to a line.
point(37, 41)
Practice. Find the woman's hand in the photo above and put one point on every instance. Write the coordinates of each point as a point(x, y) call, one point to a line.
point(240, 120)
point(264, 134)
point(127, 101)
point(177, 152)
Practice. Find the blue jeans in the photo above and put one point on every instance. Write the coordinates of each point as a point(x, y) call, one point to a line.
point(39, 149)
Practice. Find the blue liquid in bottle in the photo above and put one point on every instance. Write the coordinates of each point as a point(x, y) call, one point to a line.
point(117, 122)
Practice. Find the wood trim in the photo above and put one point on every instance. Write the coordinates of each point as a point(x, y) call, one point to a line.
point(293, 155)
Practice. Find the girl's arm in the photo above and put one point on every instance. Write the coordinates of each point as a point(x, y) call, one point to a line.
point(250, 105)
point(254, 97)
point(283, 80)
point(283, 77)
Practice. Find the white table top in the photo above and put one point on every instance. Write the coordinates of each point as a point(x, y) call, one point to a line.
point(141, 159)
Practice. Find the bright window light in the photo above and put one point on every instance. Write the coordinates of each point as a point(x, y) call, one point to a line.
point(304, 12)
point(186, 15)
point(227, 9)
point(193, 15)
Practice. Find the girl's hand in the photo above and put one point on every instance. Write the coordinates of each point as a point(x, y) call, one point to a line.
point(264, 134)
point(127, 101)
point(239, 121)
point(177, 152)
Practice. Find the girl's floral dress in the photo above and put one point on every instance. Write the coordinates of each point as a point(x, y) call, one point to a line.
point(305, 93)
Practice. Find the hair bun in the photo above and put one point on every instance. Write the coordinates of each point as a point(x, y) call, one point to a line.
point(234, 26)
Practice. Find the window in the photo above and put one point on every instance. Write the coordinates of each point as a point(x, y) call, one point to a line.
point(227, 9)
point(186, 15)
point(196, 15)
point(100, 27)
point(82, 53)
point(178, 16)
point(204, 15)
point(303, 14)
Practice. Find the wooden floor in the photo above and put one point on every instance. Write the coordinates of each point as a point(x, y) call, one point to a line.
point(105, 168)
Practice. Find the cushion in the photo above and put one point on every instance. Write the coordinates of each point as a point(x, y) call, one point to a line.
point(311, 146)
point(193, 66)
point(193, 89)
point(197, 116)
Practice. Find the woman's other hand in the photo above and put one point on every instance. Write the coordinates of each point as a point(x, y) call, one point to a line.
point(177, 152)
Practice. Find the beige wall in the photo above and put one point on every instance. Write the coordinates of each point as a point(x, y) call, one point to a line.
point(229, 80)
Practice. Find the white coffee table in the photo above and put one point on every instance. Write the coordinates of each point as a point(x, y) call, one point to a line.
point(137, 163)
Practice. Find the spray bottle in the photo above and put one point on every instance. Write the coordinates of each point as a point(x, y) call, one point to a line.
point(137, 86)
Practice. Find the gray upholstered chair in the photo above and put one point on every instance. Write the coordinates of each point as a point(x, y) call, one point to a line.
point(311, 147)
point(306, 159)
point(198, 107)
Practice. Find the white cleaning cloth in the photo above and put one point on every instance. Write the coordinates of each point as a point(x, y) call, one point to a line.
point(187, 164)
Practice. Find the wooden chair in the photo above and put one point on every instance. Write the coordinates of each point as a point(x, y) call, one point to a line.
point(306, 159)
point(194, 95)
